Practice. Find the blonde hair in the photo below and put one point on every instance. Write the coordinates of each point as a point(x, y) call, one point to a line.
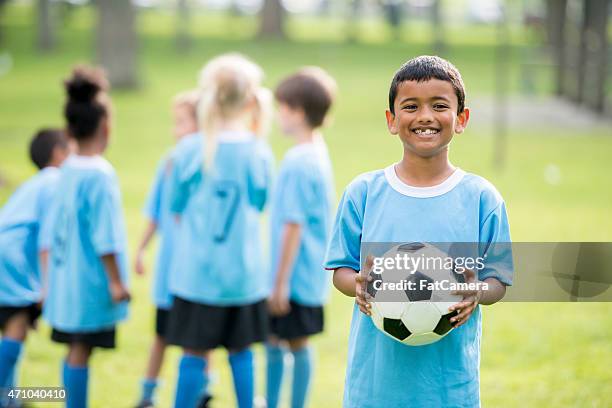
point(230, 89)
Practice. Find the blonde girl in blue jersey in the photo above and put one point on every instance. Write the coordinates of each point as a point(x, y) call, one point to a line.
point(87, 264)
point(219, 188)
point(161, 222)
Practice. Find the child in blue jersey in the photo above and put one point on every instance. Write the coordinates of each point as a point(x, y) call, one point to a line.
point(87, 241)
point(160, 219)
point(219, 187)
point(21, 219)
point(423, 197)
point(300, 219)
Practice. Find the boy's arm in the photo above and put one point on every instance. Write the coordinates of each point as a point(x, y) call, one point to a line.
point(43, 259)
point(353, 284)
point(290, 244)
point(146, 239)
point(118, 291)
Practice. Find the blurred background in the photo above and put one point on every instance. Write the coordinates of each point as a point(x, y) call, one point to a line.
point(537, 75)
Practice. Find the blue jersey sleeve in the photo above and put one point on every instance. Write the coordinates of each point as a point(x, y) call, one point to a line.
point(260, 176)
point(496, 246)
point(298, 197)
point(45, 216)
point(105, 217)
point(344, 246)
point(182, 181)
point(154, 200)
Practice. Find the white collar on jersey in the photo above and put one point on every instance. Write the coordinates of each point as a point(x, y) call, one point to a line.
point(423, 192)
point(88, 162)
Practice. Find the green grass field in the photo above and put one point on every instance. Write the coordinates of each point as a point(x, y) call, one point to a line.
point(532, 354)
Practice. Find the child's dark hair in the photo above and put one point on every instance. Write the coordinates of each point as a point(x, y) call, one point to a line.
point(424, 68)
point(84, 108)
point(43, 143)
point(310, 89)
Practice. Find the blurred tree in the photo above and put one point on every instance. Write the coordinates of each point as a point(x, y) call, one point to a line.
point(45, 39)
point(393, 13)
point(2, 3)
point(502, 72)
point(272, 19)
point(116, 41)
point(555, 27)
point(352, 26)
point(183, 38)
point(438, 27)
point(593, 55)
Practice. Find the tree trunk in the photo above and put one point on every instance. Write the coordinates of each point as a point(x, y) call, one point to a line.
point(594, 50)
point(183, 38)
point(116, 38)
point(352, 23)
point(502, 63)
point(572, 50)
point(393, 14)
point(438, 27)
point(45, 39)
point(272, 18)
point(2, 3)
point(556, 14)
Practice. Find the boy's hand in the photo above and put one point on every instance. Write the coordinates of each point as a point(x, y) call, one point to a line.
point(119, 292)
point(278, 302)
point(362, 297)
point(139, 264)
point(471, 298)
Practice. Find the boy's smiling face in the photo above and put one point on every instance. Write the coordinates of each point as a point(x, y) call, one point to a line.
point(426, 116)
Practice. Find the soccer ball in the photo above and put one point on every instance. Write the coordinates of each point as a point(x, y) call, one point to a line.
point(417, 315)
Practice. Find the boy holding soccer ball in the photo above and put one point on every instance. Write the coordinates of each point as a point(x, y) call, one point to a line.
point(300, 220)
point(421, 198)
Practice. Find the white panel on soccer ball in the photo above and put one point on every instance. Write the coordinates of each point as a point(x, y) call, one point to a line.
point(421, 317)
point(377, 316)
point(443, 306)
point(422, 339)
point(391, 310)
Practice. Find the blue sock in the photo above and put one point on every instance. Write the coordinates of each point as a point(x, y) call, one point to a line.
point(275, 356)
point(75, 381)
point(148, 389)
point(9, 355)
point(242, 371)
point(191, 381)
point(302, 373)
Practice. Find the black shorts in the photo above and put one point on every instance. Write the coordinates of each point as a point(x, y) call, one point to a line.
point(301, 321)
point(103, 338)
point(161, 321)
point(6, 312)
point(205, 327)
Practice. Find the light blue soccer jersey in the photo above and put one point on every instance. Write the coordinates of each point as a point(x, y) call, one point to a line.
point(21, 220)
point(379, 207)
point(157, 209)
point(219, 260)
point(304, 195)
point(87, 224)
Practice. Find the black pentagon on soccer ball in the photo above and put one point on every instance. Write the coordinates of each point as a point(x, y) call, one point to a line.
point(396, 328)
point(445, 325)
point(411, 247)
point(417, 293)
point(376, 277)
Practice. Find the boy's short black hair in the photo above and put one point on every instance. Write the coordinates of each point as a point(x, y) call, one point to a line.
point(424, 68)
point(43, 143)
point(310, 89)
